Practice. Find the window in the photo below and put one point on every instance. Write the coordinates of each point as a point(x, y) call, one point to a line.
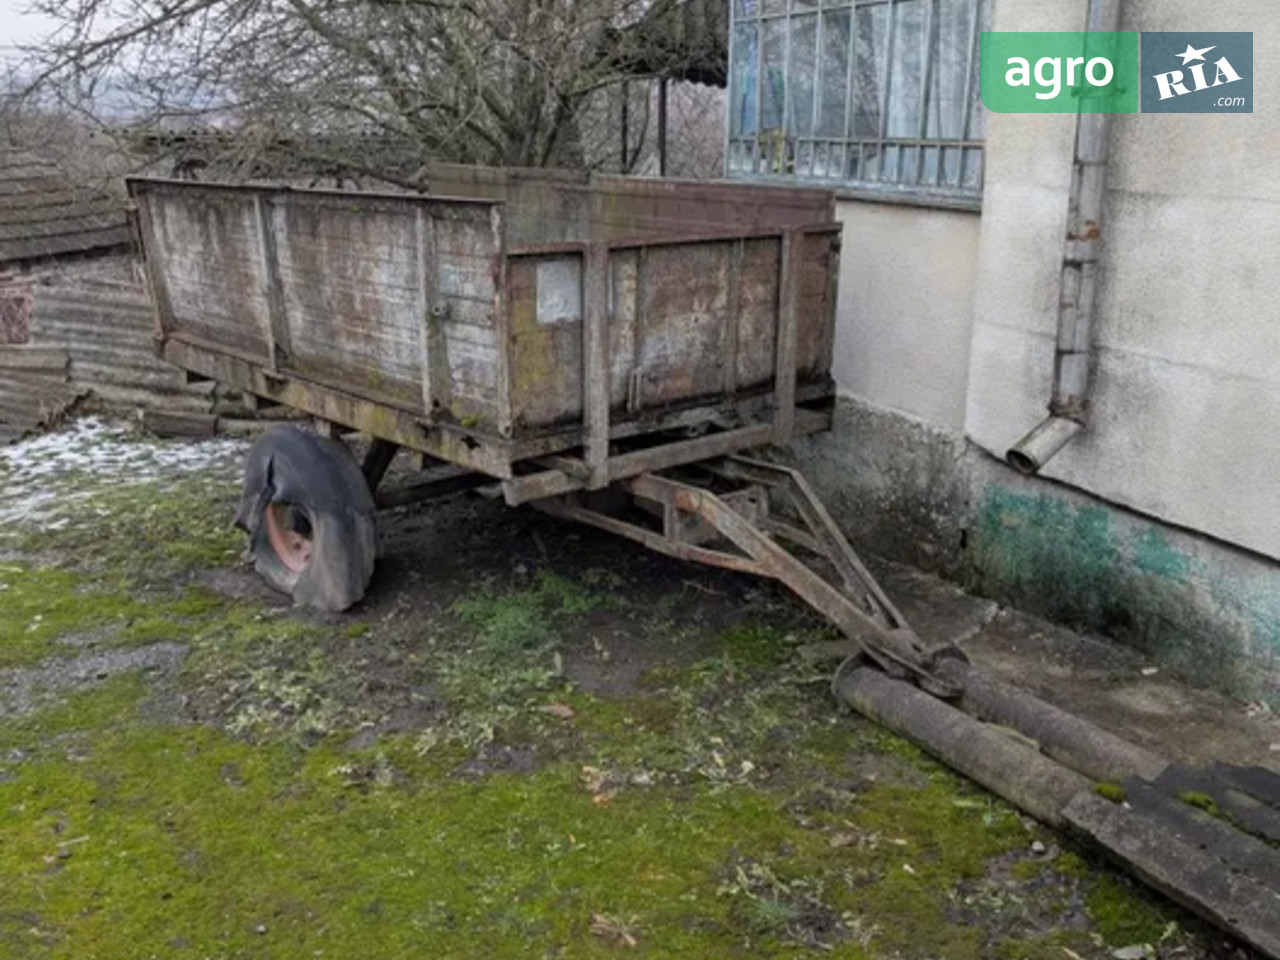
point(879, 94)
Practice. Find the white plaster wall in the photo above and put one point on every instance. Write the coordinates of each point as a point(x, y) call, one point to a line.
point(1185, 420)
point(904, 315)
point(1024, 215)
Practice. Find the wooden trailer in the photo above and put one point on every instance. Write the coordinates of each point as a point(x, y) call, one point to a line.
point(576, 338)
point(554, 333)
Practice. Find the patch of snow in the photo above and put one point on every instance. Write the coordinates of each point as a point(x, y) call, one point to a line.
point(42, 474)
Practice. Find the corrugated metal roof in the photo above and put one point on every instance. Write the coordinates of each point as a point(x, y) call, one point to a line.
point(91, 339)
point(44, 214)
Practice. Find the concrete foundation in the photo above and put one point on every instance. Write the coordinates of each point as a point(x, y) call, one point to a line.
point(913, 493)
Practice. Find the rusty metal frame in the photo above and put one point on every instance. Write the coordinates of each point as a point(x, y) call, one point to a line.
point(739, 530)
point(440, 481)
point(563, 474)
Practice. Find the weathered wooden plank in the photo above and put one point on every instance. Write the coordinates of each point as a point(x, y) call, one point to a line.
point(733, 328)
point(790, 269)
point(1244, 809)
point(434, 371)
point(349, 284)
point(143, 224)
point(1238, 850)
point(544, 303)
point(595, 367)
point(757, 322)
point(165, 424)
point(539, 486)
point(689, 451)
point(276, 331)
point(685, 300)
point(1260, 783)
point(204, 251)
point(488, 455)
point(558, 206)
point(501, 320)
point(817, 301)
point(624, 379)
point(29, 358)
point(1181, 871)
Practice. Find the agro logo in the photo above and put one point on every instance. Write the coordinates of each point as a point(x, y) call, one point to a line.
point(1059, 72)
point(1172, 84)
point(1197, 73)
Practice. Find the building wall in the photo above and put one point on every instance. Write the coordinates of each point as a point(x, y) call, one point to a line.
point(1160, 525)
point(906, 280)
point(1185, 384)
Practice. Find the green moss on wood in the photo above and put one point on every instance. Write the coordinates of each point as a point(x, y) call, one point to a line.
point(1109, 790)
point(1201, 801)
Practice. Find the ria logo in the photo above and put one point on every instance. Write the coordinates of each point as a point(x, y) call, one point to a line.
point(1171, 83)
point(1214, 74)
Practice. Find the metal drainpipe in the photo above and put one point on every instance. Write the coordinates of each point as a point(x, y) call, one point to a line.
point(1068, 407)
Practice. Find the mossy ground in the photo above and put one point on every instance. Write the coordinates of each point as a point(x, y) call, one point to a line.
point(528, 743)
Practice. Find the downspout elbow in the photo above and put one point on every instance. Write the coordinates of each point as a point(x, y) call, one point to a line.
point(1039, 446)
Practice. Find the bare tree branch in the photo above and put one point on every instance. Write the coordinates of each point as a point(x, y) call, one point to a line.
point(501, 82)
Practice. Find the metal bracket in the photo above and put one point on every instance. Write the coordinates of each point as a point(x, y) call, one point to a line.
point(745, 529)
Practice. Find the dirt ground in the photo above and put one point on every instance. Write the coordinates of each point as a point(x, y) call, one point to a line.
point(531, 740)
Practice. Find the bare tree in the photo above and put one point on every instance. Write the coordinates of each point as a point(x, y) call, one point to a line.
point(695, 133)
point(696, 137)
point(501, 82)
point(74, 146)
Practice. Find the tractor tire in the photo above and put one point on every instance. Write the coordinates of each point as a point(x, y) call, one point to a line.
point(310, 518)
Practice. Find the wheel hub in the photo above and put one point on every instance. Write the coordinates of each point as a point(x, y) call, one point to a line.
point(290, 535)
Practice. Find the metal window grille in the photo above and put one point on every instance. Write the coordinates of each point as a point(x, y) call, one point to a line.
point(876, 94)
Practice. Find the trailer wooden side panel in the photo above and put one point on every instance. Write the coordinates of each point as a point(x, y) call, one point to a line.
point(635, 305)
point(395, 299)
point(548, 206)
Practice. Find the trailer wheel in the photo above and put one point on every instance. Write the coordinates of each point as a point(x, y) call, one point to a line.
point(289, 532)
point(310, 518)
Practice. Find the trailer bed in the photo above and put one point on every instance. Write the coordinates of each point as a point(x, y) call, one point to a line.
point(538, 316)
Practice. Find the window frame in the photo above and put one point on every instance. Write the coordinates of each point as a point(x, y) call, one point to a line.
point(925, 180)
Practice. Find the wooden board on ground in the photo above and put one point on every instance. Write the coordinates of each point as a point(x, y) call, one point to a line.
point(1181, 870)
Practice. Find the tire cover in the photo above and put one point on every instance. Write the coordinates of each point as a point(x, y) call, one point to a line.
point(288, 465)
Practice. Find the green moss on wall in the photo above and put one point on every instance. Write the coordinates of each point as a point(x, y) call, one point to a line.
point(1093, 566)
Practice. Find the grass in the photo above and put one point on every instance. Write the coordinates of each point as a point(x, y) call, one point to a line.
point(720, 809)
point(193, 842)
point(145, 533)
point(186, 841)
point(1201, 801)
point(1126, 914)
point(44, 611)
